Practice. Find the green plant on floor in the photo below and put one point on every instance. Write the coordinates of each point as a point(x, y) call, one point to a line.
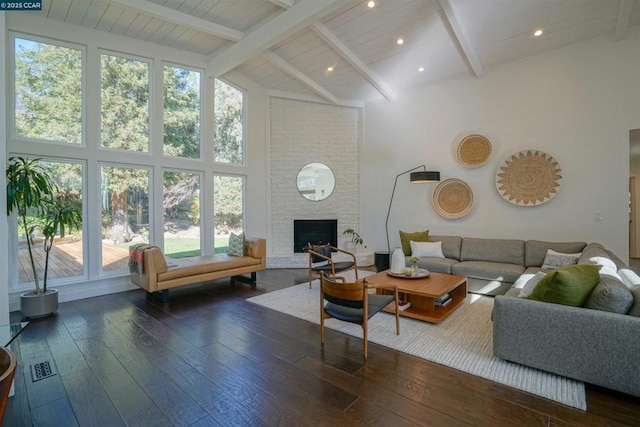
point(355, 237)
point(33, 195)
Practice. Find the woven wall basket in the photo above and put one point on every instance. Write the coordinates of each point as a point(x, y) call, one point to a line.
point(528, 178)
point(453, 198)
point(473, 151)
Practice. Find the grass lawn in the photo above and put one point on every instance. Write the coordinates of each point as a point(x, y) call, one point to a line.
point(180, 248)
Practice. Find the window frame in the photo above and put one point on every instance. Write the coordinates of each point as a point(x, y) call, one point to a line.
point(11, 111)
point(151, 97)
point(243, 163)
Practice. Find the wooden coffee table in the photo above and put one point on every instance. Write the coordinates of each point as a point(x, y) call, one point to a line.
point(422, 293)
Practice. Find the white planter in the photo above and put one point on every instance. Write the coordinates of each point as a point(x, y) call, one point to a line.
point(34, 305)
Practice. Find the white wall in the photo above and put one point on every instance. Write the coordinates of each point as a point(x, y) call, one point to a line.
point(301, 133)
point(576, 104)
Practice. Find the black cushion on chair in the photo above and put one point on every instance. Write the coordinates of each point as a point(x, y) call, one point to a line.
point(324, 250)
point(337, 265)
point(354, 315)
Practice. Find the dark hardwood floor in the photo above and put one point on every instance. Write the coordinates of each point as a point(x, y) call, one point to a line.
point(211, 358)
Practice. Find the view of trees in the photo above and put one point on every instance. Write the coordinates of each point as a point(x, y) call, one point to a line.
point(49, 107)
point(49, 97)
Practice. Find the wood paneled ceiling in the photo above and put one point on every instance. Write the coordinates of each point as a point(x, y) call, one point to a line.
point(287, 45)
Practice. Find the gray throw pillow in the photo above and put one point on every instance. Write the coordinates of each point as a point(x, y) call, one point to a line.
point(555, 259)
point(531, 284)
point(610, 294)
point(635, 307)
point(236, 245)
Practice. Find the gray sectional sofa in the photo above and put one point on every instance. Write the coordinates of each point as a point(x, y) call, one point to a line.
point(492, 265)
point(598, 343)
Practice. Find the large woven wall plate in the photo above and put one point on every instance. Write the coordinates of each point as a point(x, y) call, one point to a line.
point(528, 178)
point(473, 151)
point(453, 198)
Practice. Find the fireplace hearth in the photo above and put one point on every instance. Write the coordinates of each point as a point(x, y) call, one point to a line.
point(315, 232)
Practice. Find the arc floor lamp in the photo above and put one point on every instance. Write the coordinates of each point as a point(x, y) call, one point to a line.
point(420, 177)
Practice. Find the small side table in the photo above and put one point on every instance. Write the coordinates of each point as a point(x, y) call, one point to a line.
point(381, 261)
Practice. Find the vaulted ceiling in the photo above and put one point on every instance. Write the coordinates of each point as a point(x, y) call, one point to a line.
point(288, 46)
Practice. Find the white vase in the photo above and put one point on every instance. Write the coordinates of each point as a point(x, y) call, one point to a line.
point(397, 261)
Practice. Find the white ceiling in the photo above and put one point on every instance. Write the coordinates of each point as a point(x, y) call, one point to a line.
point(287, 45)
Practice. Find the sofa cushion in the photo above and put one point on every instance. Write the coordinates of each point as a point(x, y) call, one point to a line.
point(555, 259)
point(450, 245)
point(493, 250)
point(438, 265)
point(531, 284)
point(193, 266)
point(567, 285)
point(635, 307)
point(536, 250)
point(406, 238)
point(595, 254)
point(500, 271)
point(426, 249)
point(610, 294)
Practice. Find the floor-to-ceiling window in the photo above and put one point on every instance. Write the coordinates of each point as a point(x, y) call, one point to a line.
point(122, 133)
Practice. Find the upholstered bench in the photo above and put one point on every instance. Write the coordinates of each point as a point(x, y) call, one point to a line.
point(162, 273)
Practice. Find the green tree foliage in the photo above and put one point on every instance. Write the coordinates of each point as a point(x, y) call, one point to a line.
point(181, 113)
point(229, 123)
point(124, 102)
point(227, 199)
point(48, 89)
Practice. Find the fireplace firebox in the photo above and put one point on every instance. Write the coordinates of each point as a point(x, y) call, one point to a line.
point(314, 231)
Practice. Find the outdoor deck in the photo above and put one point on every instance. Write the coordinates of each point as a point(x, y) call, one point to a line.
point(66, 260)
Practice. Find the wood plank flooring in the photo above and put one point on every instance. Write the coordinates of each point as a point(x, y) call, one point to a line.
point(210, 358)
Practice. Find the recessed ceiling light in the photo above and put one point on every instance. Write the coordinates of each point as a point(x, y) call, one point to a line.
point(330, 68)
point(420, 69)
point(538, 33)
point(400, 41)
point(371, 4)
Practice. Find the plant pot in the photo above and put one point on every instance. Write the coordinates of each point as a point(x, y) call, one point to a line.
point(350, 246)
point(34, 305)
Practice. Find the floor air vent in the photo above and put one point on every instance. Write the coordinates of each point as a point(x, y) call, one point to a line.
point(42, 370)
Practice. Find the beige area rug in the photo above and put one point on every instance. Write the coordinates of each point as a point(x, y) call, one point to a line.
point(463, 341)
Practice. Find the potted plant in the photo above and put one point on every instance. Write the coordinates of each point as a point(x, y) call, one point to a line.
point(352, 245)
point(32, 194)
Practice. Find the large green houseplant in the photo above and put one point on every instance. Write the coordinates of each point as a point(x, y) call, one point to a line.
point(33, 195)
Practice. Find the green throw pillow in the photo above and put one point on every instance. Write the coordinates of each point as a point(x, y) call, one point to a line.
point(567, 285)
point(407, 238)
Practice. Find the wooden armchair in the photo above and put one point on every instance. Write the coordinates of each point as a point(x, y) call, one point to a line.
point(350, 302)
point(7, 371)
point(320, 261)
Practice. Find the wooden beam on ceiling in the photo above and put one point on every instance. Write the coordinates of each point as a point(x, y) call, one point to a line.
point(172, 15)
point(286, 4)
point(624, 17)
point(333, 41)
point(465, 45)
point(289, 22)
point(299, 75)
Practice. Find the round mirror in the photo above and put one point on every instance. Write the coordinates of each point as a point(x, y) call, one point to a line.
point(315, 181)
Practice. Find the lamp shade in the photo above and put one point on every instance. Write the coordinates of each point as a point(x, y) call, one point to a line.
point(423, 177)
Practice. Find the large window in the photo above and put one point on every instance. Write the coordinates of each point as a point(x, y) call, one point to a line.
point(48, 90)
point(228, 203)
point(125, 213)
point(66, 257)
point(181, 205)
point(181, 112)
point(130, 147)
point(124, 102)
point(229, 124)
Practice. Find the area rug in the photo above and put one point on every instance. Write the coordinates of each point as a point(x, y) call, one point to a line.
point(463, 341)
